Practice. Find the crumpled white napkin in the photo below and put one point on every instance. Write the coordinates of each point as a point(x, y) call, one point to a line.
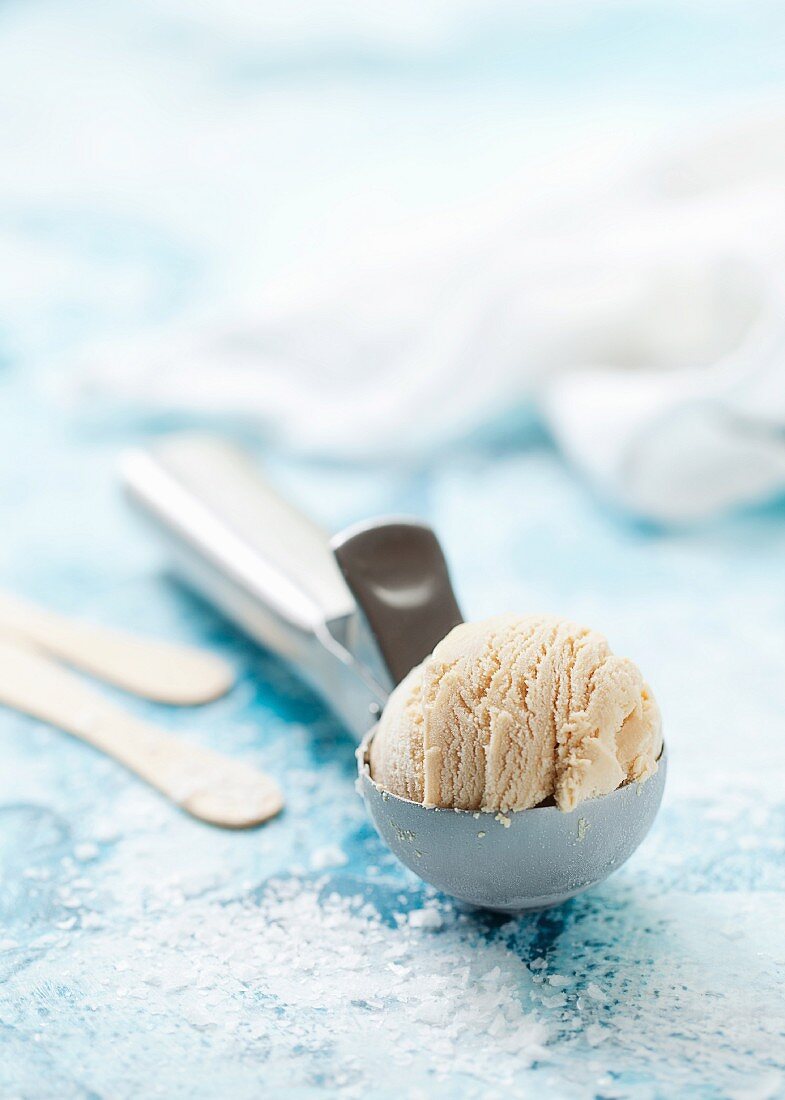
point(644, 318)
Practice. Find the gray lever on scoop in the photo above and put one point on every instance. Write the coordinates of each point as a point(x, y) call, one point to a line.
point(396, 571)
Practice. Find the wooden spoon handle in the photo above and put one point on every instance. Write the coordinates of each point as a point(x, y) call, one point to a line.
point(208, 785)
point(155, 670)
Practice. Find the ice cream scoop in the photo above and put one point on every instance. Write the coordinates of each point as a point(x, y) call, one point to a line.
point(355, 616)
point(554, 680)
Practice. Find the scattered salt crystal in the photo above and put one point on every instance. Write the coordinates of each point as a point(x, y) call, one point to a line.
point(538, 964)
point(37, 874)
point(432, 1012)
point(505, 821)
point(86, 852)
point(768, 1086)
point(329, 856)
point(595, 1034)
point(497, 1025)
point(558, 981)
point(428, 919)
point(200, 1020)
point(47, 940)
point(596, 992)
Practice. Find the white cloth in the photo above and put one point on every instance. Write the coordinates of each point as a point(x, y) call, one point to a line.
point(644, 317)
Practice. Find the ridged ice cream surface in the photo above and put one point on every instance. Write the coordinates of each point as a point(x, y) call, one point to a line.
point(509, 712)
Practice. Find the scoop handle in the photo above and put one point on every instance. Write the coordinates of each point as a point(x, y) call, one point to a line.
point(259, 560)
point(210, 494)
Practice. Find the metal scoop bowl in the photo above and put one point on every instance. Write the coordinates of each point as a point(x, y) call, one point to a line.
point(354, 615)
point(530, 859)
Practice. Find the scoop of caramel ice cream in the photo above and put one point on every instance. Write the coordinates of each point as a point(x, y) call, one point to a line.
point(508, 712)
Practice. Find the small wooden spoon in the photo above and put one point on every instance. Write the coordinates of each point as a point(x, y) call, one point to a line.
point(155, 670)
point(206, 784)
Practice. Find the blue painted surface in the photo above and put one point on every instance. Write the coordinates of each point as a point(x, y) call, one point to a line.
point(144, 954)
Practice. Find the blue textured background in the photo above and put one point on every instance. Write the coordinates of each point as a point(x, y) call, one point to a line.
point(154, 160)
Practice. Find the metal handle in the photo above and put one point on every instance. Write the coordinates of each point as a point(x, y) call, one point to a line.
point(269, 568)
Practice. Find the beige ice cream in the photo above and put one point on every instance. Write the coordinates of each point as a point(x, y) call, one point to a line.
point(508, 712)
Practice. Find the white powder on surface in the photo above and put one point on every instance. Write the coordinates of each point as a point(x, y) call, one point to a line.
point(303, 986)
